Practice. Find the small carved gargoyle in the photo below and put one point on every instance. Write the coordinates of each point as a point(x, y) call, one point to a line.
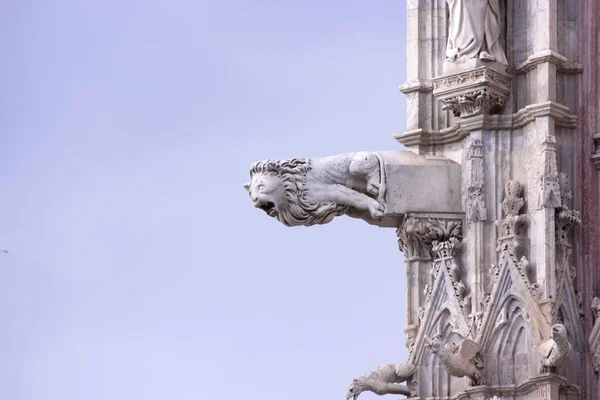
point(556, 352)
point(383, 380)
point(459, 361)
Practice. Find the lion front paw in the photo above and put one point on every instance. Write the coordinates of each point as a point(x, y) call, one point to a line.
point(373, 188)
point(376, 209)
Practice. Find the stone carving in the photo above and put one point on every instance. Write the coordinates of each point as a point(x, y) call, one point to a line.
point(511, 205)
point(410, 334)
point(474, 31)
point(476, 210)
point(565, 218)
point(383, 380)
point(481, 101)
point(421, 311)
point(416, 235)
point(463, 360)
point(549, 185)
point(446, 257)
point(314, 191)
point(556, 352)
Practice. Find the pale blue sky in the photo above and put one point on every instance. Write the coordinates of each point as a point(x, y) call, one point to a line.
point(137, 266)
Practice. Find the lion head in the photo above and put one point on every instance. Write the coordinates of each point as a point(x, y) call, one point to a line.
point(279, 188)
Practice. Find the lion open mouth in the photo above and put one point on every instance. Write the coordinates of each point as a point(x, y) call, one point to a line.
point(268, 207)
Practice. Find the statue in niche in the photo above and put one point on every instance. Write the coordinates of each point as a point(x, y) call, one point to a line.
point(474, 31)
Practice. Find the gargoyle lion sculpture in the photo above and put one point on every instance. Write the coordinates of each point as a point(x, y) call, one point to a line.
point(459, 361)
point(383, 380)
point(315, 190)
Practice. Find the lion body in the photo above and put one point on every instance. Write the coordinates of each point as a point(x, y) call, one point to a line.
point(314, 191)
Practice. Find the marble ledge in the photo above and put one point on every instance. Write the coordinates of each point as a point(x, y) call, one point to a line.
point(416, 85)
point(525, 116)
point(549, 56)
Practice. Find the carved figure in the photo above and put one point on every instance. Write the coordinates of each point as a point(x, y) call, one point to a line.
point(383, 380)
point(556, 352)
point(474, 31)
point(314, 191)
point(459, 361)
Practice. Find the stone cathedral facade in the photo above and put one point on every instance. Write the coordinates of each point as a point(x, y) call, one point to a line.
point(495, 202)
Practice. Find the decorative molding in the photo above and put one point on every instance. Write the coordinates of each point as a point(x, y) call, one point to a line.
point(478, 91)
point(476, 211)
point(525, 116)
point(471, 79)
point(549, 56)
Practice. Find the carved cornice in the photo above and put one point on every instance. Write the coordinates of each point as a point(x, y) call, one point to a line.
point(525, 116)
point(549, 56)
point(470, 80)
point(477, 91)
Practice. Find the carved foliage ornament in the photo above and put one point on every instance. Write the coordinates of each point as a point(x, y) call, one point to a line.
point(416, 235)
point(482, 101)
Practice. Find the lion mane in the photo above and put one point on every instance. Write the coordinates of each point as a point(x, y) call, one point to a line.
point(300, 209)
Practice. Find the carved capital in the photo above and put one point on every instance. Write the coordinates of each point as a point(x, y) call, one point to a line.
point(482, 101)
point(417, 234)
